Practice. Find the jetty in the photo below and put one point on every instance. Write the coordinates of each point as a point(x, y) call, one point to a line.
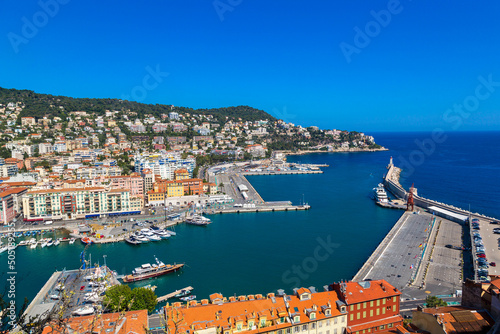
point(172, 294)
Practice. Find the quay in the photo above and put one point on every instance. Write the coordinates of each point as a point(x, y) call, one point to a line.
point(262, 209)
point(172, 294)
point(287, 172)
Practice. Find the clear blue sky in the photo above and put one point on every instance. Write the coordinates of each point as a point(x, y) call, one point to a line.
point(280, 56)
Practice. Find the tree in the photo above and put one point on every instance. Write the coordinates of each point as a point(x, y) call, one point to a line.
point(143, 298)
point(118, 297)
point(433, 301)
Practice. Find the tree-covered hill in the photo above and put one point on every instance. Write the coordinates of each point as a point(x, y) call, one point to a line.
point(40, 105)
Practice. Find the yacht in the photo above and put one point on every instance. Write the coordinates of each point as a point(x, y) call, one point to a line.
point(162, 234)
point(154, 237)
point(72, 241)
point(86, 310)
point(380, 194)
point(57, 242)
point(50, 242)
point(33, 245)
point(141, 238)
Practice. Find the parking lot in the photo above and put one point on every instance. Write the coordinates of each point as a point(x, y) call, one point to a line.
point(490, 242)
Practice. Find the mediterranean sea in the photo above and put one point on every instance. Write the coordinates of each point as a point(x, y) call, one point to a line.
point(261, 252)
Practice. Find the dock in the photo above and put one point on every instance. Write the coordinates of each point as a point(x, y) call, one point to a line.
point(284, 172)
point(172, 294)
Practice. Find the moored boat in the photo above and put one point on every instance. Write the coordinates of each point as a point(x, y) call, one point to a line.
point(147, 271)
point(86, 310)
point(188, 298)
point(86, 240)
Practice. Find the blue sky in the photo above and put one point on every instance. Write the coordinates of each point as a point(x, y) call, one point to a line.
point(284, 57)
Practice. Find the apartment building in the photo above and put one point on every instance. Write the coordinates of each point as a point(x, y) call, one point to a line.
point(76, 203)
point(373, 306)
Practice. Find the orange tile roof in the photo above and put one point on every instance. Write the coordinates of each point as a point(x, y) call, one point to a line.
point(19, 184)
point(65, 190)
point(129, 322)
point(356, 293)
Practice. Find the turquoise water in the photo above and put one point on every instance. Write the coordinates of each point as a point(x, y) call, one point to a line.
point(262, 252)
point(253, 252)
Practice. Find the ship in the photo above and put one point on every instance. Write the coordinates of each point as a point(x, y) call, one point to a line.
point(380, 195)
point(147, 271)
point(198, 220)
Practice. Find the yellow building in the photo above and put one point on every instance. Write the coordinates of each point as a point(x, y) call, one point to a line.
point(181, 174)
point(174, 189)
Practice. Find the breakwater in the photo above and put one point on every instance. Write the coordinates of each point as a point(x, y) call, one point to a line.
point(391, 182)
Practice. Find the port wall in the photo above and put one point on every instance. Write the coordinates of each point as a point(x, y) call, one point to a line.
point(425, 203)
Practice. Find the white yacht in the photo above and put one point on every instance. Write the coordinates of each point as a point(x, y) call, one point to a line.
point(380, 194)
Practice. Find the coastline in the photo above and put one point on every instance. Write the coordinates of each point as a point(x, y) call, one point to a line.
point(338, 150)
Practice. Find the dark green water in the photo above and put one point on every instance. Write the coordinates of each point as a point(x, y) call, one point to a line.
point(254, 252)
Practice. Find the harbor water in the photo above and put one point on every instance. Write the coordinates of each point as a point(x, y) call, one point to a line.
point(261, 252)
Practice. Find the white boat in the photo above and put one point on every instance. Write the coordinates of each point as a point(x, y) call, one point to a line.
point(50, 242)
point(72, 241)
point(3, 249)
point(33, 245)
point(86, 310)
point(57, 242)
point(198, 220)
point(380, 194)
point(162, 234)
point(44, 243)
point(23, 242)
point(141, 238)
point(154, 237)
point(171, 232)
point(12, 247)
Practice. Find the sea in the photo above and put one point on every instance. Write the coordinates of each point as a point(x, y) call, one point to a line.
point(254, 253)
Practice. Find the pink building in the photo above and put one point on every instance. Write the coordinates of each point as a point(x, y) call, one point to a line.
point(133, 182)
point(7, 212)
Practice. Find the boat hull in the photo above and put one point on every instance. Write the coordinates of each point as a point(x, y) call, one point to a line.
point(132, 278)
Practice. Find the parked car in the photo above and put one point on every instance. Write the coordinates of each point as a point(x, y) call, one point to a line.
point(475, 220)
point(481, 255)
point(493, 264)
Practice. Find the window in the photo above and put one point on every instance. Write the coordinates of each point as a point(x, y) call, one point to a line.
point(352, 308)
point(394, 299)
point(364, 305)
point(304, 328)
point(359, 306)
point(313, 325)
point(393, 308)
point(371, 303)
point(335, 320)
point(378, 302)
point(328, 322)
point(238, 327)
point(371, 313)
point(280, 331)
point(364, 314)
point(382, 327)
point(383, 301)
point(383, 310)
point(328, 312)
point(343, 319)
point(378, 311)
point(352, 317)
point(296, 329)
point(288, 330)
point(296, 318)
point(358, 315)
point(313, 315)
point(320, 324)
point(389, 325)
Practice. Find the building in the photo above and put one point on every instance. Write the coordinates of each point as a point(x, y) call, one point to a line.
point(452, 319)
point(28, 121)
point(192, 186)
point(305, 312)
point(163, 164)
point(133, 182)
point(7, 212)
point(8, 170)
point(181, 174)
point(97, 171)
point(173, 115)
point(373, 306)
point(76, 203)
point(109, 323)
point(256, 150)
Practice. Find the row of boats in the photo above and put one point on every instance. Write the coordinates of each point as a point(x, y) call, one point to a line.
point(145, 235)
point(33, 243)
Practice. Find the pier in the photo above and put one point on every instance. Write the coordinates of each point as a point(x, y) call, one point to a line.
point(172, 294)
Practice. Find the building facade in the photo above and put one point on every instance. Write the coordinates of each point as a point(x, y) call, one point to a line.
point(76, 203)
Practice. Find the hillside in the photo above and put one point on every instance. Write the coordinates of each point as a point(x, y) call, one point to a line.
point(39, 105)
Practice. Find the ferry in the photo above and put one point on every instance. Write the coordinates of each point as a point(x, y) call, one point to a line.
point(380, 195)
point(147, 271)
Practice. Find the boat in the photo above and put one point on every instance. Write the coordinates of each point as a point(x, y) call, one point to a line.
point(171, 232)
point(44, 243)
point(198, 220)
point(141, 238)
point(188, 298)
point(50, 242)
point(3, 249)
point(33, 245)
point(380, 195)
point(72, 241)
point(162, 234)
point(183, 293)
point(86, 310)
point(147, 271)
point(57, 242)
point(86, 240)
point(12, 247)
point(133, 241)
point(154, 237)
